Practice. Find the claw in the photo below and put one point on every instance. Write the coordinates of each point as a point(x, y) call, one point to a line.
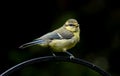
point(53, 54)
point(71, 57)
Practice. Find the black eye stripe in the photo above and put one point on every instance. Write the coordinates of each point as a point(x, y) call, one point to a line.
point(71, 25)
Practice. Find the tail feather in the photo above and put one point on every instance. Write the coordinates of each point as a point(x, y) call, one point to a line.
point(31, 44)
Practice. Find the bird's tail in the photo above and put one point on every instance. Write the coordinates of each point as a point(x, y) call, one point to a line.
point(31, 44)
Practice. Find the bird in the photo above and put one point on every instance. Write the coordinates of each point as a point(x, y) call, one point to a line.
point(59, 40)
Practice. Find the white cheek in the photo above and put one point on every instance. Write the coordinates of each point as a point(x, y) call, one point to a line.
point(70, 28)
point(73, 29)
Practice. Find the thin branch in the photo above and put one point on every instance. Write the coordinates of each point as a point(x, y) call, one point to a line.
point(58, 59)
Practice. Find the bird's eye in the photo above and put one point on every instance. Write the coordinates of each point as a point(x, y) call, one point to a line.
point(71, 25)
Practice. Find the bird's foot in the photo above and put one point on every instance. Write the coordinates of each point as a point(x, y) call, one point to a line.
point(53, 54)
point(71, 57)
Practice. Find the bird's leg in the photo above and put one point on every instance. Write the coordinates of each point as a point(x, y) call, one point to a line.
point(53, 54)
point(71, 56)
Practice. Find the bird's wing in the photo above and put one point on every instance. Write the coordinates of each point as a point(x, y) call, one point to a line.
point(56, 35)
point(45, 39)
point(49, 36)
point(66, 34)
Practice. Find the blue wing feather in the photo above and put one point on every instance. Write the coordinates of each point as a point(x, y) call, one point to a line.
point(54, 35)
point(49, 36)
point(32, 43)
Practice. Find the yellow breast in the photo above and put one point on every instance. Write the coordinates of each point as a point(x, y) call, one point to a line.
point(64, 44)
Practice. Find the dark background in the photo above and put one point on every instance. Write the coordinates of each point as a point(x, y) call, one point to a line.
point(23, 21)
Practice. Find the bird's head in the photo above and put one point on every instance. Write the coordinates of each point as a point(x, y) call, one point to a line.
point(72, 25)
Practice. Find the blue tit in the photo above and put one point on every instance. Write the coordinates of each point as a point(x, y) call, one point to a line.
point(61, 39)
